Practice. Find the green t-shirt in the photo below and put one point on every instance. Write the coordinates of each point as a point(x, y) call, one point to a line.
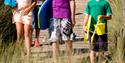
point(95, 8)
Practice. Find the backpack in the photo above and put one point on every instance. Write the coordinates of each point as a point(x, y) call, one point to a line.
point(11, 3)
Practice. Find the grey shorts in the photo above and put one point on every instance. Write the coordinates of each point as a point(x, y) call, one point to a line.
point(59, 29)
point(100, 43)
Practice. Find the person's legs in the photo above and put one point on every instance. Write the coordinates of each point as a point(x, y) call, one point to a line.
point(37, 31)
point(35, 25)
point(31, 32)
point(99, 45)
point(65, 33)
point(68, 45)
point(19, 30)
point(101, 56)
point(93, 48)
point(27, 32)
point(54, 37)
point(55, 48)
point(103, 46)
point(36, 42)
point(92, 56)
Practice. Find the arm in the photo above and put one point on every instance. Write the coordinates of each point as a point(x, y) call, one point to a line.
point(73, 7)
point(29, 8)
point(85, 22)
point(106, 17)
point(86, 17)
point(32, 5)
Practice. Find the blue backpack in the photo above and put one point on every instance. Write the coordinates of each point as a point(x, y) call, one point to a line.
point(11, 3)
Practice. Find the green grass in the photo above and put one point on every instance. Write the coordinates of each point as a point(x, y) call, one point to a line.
point(11, 52)
point(117, 29)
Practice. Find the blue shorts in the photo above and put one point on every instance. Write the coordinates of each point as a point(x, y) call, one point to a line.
point(59, 29)
point(35, 17)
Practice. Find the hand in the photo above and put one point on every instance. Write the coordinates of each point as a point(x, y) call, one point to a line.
point(101, 17)
point(84, 29)
point(73, 22)
point(25, 11)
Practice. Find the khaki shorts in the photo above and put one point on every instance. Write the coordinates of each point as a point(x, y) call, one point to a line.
point(24, 19)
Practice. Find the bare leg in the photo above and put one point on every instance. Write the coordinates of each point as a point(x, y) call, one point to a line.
point(92, 56)
point(56, 51)
point(27, 32)
point(19, 30)
point(69, 50)
point(37, 32)
point(101, 57)
point(31, 32)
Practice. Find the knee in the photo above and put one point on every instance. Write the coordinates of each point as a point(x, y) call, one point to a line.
point(92, 53)
point(55, 45)
point(27, 35)
point(19, 35)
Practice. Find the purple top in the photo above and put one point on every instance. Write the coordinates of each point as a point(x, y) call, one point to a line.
point(61, 9)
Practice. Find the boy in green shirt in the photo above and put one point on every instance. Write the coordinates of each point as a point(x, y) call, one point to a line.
point(94, 9)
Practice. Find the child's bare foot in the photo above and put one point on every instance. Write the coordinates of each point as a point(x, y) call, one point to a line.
point(36, 43)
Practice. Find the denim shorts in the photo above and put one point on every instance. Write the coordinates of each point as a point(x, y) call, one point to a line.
point(59, 29)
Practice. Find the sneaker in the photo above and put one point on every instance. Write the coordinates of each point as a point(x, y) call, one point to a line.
point(36, 43)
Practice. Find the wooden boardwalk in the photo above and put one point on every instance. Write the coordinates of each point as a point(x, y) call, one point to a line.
point(44, 52)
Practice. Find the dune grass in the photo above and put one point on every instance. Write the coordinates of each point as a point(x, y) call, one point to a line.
point(117, 32)
point(11, 52)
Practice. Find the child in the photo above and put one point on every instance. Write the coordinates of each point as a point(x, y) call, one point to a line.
point(94, 9)
point(61, 22)
point(22, 17)
point(35, 22)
